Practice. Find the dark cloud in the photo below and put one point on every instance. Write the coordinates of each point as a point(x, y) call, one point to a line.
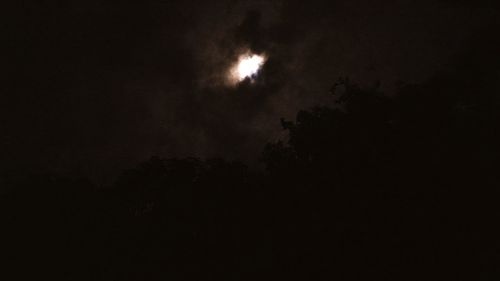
point(93, 87)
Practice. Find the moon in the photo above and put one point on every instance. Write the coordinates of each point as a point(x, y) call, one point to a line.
point(247, 67)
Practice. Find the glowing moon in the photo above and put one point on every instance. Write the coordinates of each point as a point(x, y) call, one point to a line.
point(248, 66)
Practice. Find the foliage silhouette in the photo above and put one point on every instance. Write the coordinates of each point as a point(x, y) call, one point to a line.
point(378, 187)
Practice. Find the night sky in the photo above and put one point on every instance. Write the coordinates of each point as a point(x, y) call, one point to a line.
point(232, 140)
point(94, 87)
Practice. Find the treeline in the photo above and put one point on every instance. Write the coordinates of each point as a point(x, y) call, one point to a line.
point(376, 188)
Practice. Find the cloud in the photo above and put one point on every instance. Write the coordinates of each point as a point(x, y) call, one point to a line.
point(95, 87)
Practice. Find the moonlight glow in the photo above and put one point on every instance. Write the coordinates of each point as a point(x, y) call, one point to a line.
point(248, 66)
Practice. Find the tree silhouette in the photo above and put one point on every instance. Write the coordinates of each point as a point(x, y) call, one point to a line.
point(377, 187)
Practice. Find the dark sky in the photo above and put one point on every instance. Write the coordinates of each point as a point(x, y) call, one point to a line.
point(92, 87)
